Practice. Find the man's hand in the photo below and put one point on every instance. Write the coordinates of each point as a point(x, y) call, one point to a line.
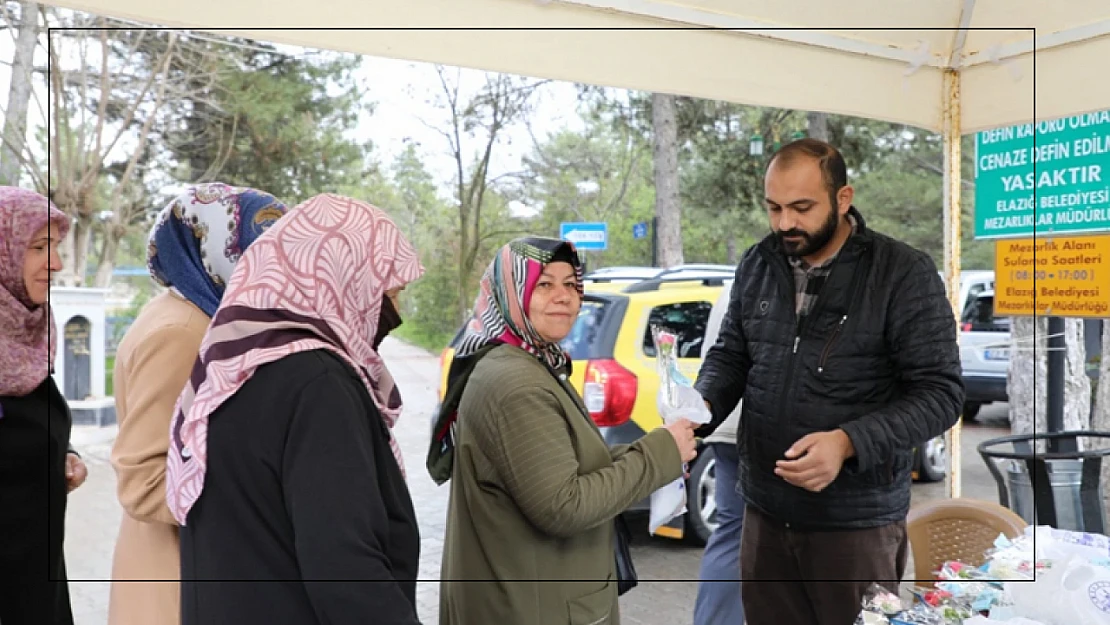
point(76, 472)
point(815, 460)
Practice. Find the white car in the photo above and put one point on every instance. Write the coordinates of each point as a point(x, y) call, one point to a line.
point(984, 353)
point(984, 342)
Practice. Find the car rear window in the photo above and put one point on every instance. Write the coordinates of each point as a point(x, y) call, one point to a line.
point(980, 315)
point(687, 320)
point(586, 337)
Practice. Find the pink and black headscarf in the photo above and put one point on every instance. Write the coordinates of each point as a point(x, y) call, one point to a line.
point(317, 279)
point(501, 310)
point(27, 341)
point(500, 317)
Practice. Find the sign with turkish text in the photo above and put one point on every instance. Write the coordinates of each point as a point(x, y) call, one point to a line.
point(586, 235)
point(1043, 179)
point(1059, 277)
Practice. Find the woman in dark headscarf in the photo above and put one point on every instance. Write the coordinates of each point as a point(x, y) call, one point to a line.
point(535, 488)
point(193, 247)
point(37, 466)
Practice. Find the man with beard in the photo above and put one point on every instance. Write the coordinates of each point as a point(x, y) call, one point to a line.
point(842, 345)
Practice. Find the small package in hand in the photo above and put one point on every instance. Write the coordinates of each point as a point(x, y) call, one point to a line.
point(676, 400)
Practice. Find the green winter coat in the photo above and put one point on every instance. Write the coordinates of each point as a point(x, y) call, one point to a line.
point(534, 491)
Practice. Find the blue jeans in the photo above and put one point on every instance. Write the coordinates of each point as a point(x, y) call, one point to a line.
point(719, 602)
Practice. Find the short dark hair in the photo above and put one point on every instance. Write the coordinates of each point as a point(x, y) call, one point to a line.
point(833, 170)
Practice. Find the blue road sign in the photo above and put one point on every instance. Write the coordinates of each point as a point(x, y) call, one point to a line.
point(585, 235)
point(639, 231)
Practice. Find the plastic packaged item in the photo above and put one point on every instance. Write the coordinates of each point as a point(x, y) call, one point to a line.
point(872, 618)
point(1017, 620)
point(676, 400)
point(919, 614)
point(958, 571)
point(1057, 544)
point(1072, 592)
point(880, 600)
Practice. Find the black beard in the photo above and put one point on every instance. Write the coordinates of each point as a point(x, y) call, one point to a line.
point(811, 243)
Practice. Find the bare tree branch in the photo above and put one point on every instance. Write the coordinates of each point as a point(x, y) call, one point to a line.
point(515, 232)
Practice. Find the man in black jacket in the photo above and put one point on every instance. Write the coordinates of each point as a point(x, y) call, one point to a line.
point(842, 344)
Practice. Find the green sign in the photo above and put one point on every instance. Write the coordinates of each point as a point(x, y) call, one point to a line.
point(1043, 179)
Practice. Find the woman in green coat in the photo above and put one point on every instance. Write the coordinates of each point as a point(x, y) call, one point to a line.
point(534, 487)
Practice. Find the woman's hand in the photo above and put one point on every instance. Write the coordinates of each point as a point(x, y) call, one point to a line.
point(76, 472)
point(683, 433)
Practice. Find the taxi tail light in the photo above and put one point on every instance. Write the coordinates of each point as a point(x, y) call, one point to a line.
point(609, 392)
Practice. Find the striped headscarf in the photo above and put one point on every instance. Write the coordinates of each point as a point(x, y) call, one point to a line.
point(316, 280)
point(501, 310)
point(500, 316)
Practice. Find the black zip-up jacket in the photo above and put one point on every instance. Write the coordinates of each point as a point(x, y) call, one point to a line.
point(876, 357)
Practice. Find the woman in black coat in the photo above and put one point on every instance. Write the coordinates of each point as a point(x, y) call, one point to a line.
point(283, 470)
point(37, 466)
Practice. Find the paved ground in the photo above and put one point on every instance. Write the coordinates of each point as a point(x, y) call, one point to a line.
point(668, 568)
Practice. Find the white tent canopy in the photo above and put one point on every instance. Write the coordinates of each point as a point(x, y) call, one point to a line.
point(768, 56)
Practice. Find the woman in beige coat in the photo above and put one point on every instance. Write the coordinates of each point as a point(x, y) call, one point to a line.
point(192, 250)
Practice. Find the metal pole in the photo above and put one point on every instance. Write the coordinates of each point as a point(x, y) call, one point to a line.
point(952, 215)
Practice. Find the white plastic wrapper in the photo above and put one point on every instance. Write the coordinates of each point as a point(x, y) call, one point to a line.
point(676, 400)
point(1017, 620)
point(1071, 592)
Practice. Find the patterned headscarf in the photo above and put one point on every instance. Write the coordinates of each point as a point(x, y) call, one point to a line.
point(500, 312)
point(27, 341)
point(198, 237)
point(317, 280)
point(500, 316)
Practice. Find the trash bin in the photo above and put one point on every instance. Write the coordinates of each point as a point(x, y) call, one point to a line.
point(1065, 477)
point(1060, 488)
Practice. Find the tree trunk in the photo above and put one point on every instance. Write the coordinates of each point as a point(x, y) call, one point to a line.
point(19, 95)
point(113, 234)
point(67, 251)
point(1028, 364)
point(818, 126)
point(733, 257)
point(464, 245)
point(1100, 419)
point(665, 144)
point(74, 250)
point(1025, 359)
point(200, 155)
point(1077, 386)
point(82, 236)
point(463, 303)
